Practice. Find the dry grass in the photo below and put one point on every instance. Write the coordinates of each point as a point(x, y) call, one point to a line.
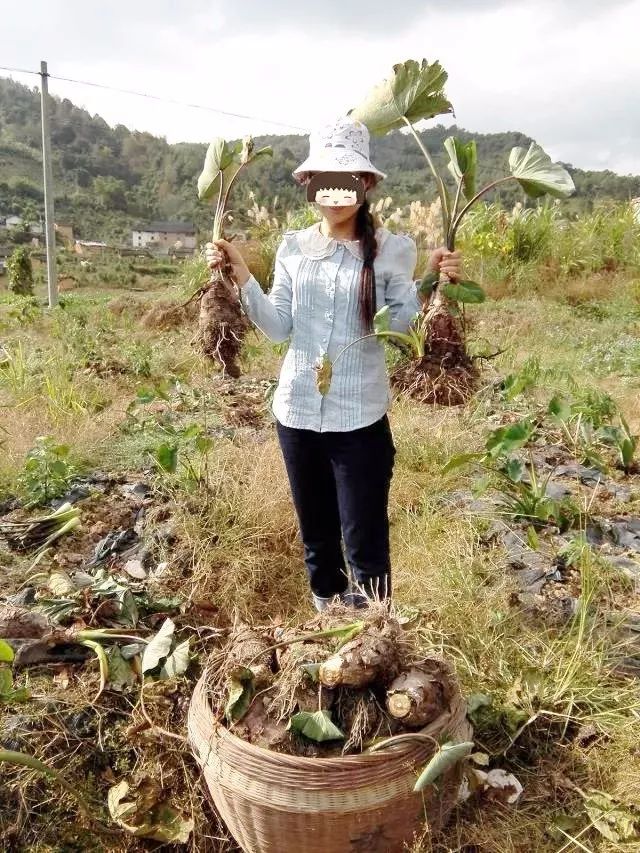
point(239, 544)
point(238, 554)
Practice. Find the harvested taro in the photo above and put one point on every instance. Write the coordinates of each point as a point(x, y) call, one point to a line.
point(335, 685)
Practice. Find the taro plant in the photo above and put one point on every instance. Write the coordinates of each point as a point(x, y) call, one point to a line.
point(178, 450)
point(20, 272)
point(441, 369)
point(222, 324)
point(522, 493)
point(624, 442)
point(528, 499)
point(591, 421)
point(47, 471)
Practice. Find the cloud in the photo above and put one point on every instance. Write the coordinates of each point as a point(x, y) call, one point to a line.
point(565, 75)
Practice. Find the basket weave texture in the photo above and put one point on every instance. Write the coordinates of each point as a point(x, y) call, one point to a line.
point(275, 803)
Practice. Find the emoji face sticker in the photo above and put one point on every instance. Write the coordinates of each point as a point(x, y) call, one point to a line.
point(335, 189)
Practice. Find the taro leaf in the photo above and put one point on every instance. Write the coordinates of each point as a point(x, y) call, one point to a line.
point(57, 609)
point(166, 456)
point(463, 159)
point(512, 718)
point(627, 451)
point(312, 670)
point(240, 693)
point(480, 485)
point(324, 372)
point(110, 588)
point(464, 291)
point(316, 726)
point(564, 825)
point(537, 175)
point(128, 608)
point(120, 672)
point(267, 151)
point(428, 282)
point(60, 584)
point(382, 320)
point(158, 648)
point(478, 700)
point(505, 439)
point(413, 92)
point(6, 682)
point(459, 460)
point(533, 540)
point(218, 157)
point(527, 689)
point(203, 444)
point(558, 409)
point(446, 757)
point(131, 650)
point(514, 469)
point(6, 652)
point(343, 633)
point(177, 662)
point(481, 711)
point(7, 693)
point(145, 818)
point(611, 818)
point(348, 634)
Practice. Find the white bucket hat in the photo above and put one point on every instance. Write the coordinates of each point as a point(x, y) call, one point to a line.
point(342, 146)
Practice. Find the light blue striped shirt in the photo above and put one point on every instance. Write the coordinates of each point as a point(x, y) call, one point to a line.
point(314, 303)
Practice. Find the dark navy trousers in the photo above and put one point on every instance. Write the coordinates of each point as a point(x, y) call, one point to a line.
point(340, 488)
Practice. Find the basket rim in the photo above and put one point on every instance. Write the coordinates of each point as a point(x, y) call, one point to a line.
point(401, 750)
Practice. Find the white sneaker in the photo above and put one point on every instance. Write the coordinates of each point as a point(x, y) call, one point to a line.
point(321, 603)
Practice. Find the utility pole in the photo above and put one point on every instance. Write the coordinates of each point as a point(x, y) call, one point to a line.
point(52, 278)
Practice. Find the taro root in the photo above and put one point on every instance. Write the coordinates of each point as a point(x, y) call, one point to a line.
point(222, 325)
point(297, 686)
point(372, 656)
point(249, 650)
point(360, 716)
point(416, 697)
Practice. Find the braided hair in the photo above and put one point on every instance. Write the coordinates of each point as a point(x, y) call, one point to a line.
point(366, 233)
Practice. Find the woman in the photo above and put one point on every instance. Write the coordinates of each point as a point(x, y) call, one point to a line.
point(329, 281)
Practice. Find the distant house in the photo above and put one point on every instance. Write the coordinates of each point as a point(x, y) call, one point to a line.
point(90, 247)
point(13, 221)
point(163, 237)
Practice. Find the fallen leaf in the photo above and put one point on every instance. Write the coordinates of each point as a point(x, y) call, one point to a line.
point(501, 785)
point(316, 726)
point(135, 570)
point(137, 812)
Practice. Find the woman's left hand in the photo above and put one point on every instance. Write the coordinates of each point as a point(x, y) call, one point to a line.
point(449, 263)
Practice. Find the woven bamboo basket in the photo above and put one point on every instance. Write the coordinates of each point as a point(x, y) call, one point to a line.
point(275, 803)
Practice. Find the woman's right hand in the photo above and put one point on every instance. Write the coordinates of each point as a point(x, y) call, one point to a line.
point(215, 256)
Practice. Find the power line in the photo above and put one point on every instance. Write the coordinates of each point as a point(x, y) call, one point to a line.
point(158, 98)
point(19, 70)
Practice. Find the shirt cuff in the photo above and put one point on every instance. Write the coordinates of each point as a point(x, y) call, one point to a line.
point(249, 290)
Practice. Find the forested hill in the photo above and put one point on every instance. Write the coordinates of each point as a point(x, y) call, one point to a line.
point(106, 178)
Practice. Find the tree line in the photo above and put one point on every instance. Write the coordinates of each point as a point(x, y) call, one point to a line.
point(108, 178)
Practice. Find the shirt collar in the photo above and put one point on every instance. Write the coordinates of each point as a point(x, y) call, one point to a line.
point(316, 245)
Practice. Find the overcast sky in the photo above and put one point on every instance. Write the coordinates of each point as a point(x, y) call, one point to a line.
point(566, 72)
